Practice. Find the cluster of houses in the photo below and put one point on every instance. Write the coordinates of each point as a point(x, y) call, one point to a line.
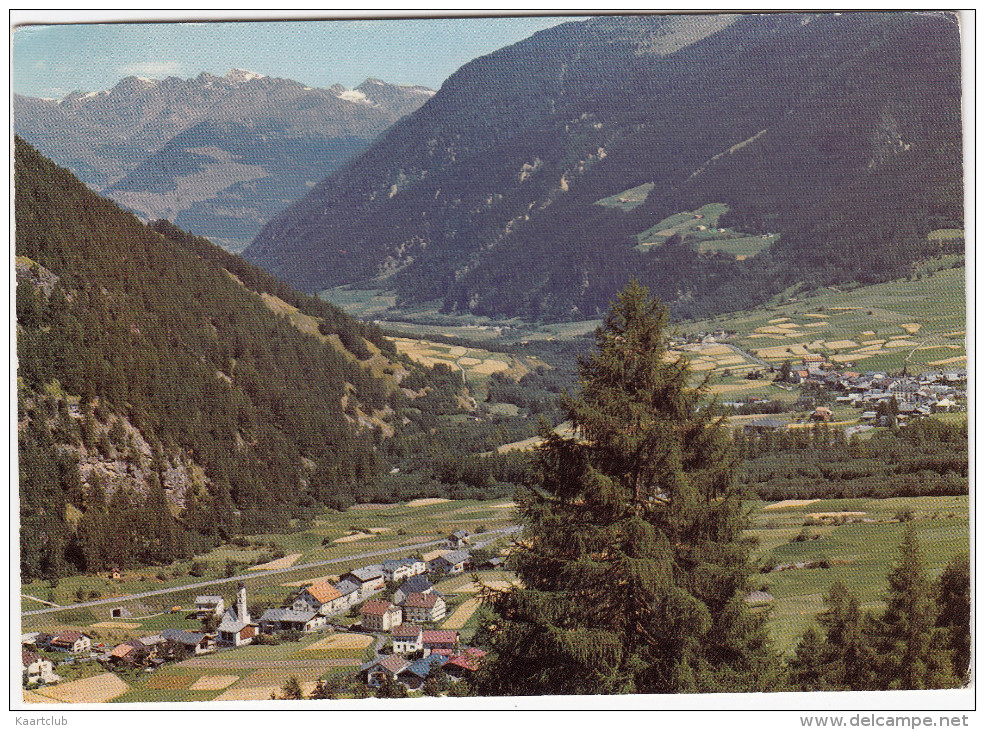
point(915, 395)
point(413, 603)
point(456, 662)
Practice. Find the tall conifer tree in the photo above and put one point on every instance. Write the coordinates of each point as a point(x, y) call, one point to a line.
point(632, 562)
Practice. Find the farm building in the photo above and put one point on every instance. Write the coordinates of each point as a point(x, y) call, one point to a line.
point(380, 616)
point(349, 591)
point(417, 584)
point(451, 563)
point(369, 579)
point(275, 620)
point(458, 539)
point(431, 557)
point(322, 598)
point(423, 607)
point(764, 425)
point(132, 652)
point(822, 413)
point(191, 642)
point(37, 669)
point(376, 670)
point(407, 638)
point(73, 642)
point(209, 606)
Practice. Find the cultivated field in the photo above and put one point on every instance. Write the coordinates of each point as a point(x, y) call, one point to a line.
point(919, 324)
point(475, 365)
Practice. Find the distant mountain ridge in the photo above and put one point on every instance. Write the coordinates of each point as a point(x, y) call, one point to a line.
point(839, 133)
point(218, 155)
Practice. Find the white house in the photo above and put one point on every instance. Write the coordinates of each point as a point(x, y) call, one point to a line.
point(451, 563)
point(37, 669)
point(407, 638)
point(395, 570)
point(286, 619)
point(74, 642)
point(421, 607)
point(209, 606)
point(322, 598)
point(369, 579)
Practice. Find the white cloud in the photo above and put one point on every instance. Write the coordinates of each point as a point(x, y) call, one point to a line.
point(154, 68)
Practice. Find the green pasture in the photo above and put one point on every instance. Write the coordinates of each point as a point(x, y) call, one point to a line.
point(860, 554)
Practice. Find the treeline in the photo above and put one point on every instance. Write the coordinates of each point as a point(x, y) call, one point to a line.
point(150, 328)
point(929, 457)
point(922, 640)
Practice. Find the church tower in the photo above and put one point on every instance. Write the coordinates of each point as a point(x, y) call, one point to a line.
point(242, 613)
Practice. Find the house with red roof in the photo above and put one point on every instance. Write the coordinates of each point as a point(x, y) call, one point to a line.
point(74, 642)
point(380, 615)
point(439, 641)
point(465, 663)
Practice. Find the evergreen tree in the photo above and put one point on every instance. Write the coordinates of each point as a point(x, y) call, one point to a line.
point(912, 650)
point(632, 560)
point(953, 591)
point(842, 659)
point(291, 689)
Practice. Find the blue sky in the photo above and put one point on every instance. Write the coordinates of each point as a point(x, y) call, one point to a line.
point(53, 60)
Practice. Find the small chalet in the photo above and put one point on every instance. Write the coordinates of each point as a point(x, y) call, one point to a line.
point(407, 638)
point(464, 663)
point(458, 539)
point(417, 584)
point(451, 563)
point(369, 579)
point(380, 616)
point(37, 669)
point(237, 627)
point(396, 570)
point(190, 642)
point(822, 413)
point(376, 670)
point(275, 620)
point(209, 606)
point(439, 641)
point(322, 598)
point(492, 563)
point(73, 642)
point(424, 607)
point(132, 652)
point(415, 675)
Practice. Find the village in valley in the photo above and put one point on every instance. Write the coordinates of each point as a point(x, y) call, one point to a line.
point(393, 613)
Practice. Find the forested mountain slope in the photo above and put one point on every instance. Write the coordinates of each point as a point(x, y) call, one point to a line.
point(532, 184)
point(162, 402)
